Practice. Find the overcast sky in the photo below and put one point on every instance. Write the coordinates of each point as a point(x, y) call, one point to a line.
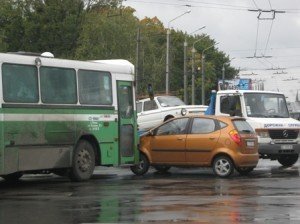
point(239, 31)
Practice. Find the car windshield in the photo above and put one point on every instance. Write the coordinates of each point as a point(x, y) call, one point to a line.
point(266, 105)
point(169, 101)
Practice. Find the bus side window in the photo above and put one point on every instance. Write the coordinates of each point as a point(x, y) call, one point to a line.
point(20, 83)
point(94, 87)
point(58, 85)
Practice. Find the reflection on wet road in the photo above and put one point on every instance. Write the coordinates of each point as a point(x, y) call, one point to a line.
point(270, 194)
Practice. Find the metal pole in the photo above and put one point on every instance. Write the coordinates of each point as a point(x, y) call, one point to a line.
point(193, 76)
point(202, 82)
point(167, 61)
point(168, 50)
point(203, 74)
point(137, 68)
point(184, 72)
point(223, 76)
point(185, 66)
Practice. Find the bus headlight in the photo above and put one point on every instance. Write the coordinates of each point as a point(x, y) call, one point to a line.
point(263, 134)
point(183, 111)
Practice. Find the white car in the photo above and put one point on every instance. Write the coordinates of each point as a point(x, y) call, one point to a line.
point(153, 112)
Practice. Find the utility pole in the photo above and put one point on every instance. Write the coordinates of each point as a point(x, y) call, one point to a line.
point(203, 74)
point(185, 44)
point(185, 72)
point(137, 67)
point(168, 50)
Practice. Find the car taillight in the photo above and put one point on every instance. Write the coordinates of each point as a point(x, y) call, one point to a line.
point(235, 137)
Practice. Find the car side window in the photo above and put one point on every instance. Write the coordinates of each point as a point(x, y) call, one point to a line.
point(150, 105)
point(203, 126)
point(174, 127)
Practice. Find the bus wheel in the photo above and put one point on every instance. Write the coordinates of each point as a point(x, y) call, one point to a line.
point(142, 167)
point(288, 160)
point(83, 162)
point(244, 170)
point(223, 166)
point(162, 169)
point(13, 177)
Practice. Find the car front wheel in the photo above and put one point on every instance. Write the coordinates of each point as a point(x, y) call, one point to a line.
point(223, 166)
point(142, 167)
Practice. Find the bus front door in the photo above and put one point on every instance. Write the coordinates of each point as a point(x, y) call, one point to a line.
point(127, 123)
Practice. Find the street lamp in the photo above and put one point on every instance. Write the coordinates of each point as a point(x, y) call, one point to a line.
point(223, 72)
point(203, 75)
point(193, 69)
point(168, 50)
point(185, 66)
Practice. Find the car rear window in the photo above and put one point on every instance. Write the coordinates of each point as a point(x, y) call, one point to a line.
point(242, 126)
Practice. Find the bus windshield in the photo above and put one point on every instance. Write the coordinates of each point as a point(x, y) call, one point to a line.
point(266, 105)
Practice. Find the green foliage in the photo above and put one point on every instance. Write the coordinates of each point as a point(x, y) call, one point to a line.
point(104, 29)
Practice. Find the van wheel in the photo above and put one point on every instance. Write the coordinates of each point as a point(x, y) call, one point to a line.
point(244, 170)
point(162, 169)
point(223, 166)
point(288, 160)
point(13, 177)
point(142, 167)
point(83, 162)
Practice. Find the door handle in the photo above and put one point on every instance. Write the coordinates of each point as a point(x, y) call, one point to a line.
point(211, 138)
point(180, 139)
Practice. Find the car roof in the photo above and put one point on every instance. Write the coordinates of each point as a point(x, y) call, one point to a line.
point(219, 117)
point(147, 99)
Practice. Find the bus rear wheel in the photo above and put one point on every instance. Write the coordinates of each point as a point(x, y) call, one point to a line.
point(83, 163)
point(288, 160)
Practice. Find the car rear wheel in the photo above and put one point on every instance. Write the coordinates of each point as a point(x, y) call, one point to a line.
point(223, 166)
point(244, 170)
point(288, 160)
point(142, 167)
point(162, 169)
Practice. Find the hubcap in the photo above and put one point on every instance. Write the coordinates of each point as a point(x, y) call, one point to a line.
point(84, 160)
point(222, 167)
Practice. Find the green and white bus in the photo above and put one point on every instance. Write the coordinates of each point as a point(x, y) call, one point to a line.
point(65, 116)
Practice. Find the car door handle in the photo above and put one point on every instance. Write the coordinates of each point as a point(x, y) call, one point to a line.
point(211, 138)
point(180, 139)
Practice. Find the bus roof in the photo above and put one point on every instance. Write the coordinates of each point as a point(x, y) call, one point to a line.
point(119, 65)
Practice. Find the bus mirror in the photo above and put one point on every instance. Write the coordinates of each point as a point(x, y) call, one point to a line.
point(150, 91)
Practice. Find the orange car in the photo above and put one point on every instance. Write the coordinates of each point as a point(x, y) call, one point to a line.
point(223, 143)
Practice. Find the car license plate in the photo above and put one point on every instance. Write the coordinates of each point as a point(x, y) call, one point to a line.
point(250, 143)
point(286, 147)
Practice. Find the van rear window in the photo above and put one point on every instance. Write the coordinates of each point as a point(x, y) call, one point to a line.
point(242, 126)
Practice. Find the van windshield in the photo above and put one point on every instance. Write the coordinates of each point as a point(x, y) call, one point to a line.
point(266, 105)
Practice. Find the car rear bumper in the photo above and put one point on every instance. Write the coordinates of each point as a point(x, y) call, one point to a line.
point(246, 160)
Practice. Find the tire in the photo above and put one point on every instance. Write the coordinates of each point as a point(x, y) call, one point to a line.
point(244, 170)
point(288, 160)
point(13, 177)
point(162, 169)
point(83, 163)
point(142, 167)
point(223, 166)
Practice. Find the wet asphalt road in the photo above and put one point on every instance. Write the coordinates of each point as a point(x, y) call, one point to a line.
point(271, 194)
